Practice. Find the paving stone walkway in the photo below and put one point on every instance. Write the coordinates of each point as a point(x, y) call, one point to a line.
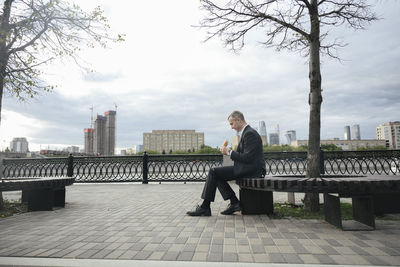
point(148, 222)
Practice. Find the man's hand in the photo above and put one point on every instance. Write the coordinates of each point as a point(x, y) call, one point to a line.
point(224, 150)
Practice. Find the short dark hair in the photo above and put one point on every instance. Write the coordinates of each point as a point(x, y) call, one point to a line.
point(236, 114)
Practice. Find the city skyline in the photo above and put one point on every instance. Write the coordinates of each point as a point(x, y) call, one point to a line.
point(184, 83)
point(278, 137)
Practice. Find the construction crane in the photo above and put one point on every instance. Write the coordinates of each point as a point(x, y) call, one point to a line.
point(91, 115)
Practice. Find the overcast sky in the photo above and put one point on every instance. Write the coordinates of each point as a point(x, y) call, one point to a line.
point(164, 77)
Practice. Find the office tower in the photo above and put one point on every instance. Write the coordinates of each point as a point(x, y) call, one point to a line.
point(104, 134)
point(263, 132)
point(290, 136)
point(19, 145)
point(347, 134)
point(88, 140)
point(109, 137)
point(356, 132)
point(273, 139)
point(99, 135)
point(389, 131)
point(172, 140)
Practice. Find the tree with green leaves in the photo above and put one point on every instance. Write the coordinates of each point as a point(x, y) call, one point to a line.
point(295, 25)
point(34, 33)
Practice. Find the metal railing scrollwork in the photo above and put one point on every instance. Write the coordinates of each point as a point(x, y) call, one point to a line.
point(164, 168)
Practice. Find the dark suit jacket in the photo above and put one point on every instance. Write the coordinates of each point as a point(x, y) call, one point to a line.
point(249, 157)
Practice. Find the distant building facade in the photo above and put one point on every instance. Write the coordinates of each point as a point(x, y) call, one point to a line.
point(262, 129)
point(101, 139)
point(19, 145)
point(273, 139)
point(347, 134)
point(109, 143)
point(390, 132)
point(345, 144)
point(72, 149)
point(88, 140)
point(172, 140)
point(356, 132)
point(290, 136)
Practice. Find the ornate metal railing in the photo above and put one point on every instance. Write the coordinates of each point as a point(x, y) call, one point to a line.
point(158, 168)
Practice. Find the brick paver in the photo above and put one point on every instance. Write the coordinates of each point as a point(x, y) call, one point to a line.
point(148, 222)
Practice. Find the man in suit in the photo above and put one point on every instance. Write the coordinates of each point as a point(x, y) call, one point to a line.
point(248, 163)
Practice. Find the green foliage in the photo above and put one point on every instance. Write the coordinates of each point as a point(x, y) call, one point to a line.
point(372, 148)
point(330, 147)
point(284, 210)
point(283, 148)
point(203, 150)
point(207, 150)
point(12, 207)
point(149, 152)
point(36, 33)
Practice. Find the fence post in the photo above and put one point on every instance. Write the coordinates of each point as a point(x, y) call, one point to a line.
point(70, 168)
point(145, 168)
point(321, 162)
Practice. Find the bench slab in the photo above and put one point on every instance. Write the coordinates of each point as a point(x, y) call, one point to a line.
point(370, 194)
point(39, 193)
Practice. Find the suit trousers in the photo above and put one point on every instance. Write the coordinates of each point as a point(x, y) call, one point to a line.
point(218, 177)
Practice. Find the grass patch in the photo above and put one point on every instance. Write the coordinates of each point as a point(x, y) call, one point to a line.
point(13, 207)
point(285, 210)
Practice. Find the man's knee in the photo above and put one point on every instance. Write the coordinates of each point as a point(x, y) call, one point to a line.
point(211, 172)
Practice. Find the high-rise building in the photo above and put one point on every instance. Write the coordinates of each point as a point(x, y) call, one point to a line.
point(88, 140)
point(273, 139)
point(356, 132)
point(104, 134)
point(99, 135)
point(262, 130)
point(389, 131)
point(290, 136)
point(109, 143)
point(347, 134)
point(172, 140)
point(19, 145)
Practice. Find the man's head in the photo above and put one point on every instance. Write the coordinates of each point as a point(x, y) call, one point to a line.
point(236, 120)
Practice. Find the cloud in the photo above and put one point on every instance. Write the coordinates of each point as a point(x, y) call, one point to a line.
point(101, 77)
point(164, 77)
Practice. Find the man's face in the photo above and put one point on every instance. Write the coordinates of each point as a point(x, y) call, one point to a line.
point(236, 124)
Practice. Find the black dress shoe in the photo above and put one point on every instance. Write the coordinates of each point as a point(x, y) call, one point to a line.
point(199, 211)
point(231, 209)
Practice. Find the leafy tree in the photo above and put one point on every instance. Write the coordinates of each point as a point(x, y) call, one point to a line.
point(207, 150)
point(152, 152)
point(372, 148)
point(35, 32)
point(296, 25)
point(330, 147)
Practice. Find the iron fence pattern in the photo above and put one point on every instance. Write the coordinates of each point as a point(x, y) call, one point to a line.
point(108, 169)
point(362, 162)
point(181, 167)
point(35, 167)
point(158, 168)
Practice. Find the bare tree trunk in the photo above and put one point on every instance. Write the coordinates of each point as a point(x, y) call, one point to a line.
point(1, 177)
point(311, 200)
point(1, 201)
point(4, 25)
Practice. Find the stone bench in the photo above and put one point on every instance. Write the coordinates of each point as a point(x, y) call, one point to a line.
point(256, 195)
point(39, 193)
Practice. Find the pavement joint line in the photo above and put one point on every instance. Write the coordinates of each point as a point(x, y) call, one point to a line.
point(143, 224)
point(56, 262)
